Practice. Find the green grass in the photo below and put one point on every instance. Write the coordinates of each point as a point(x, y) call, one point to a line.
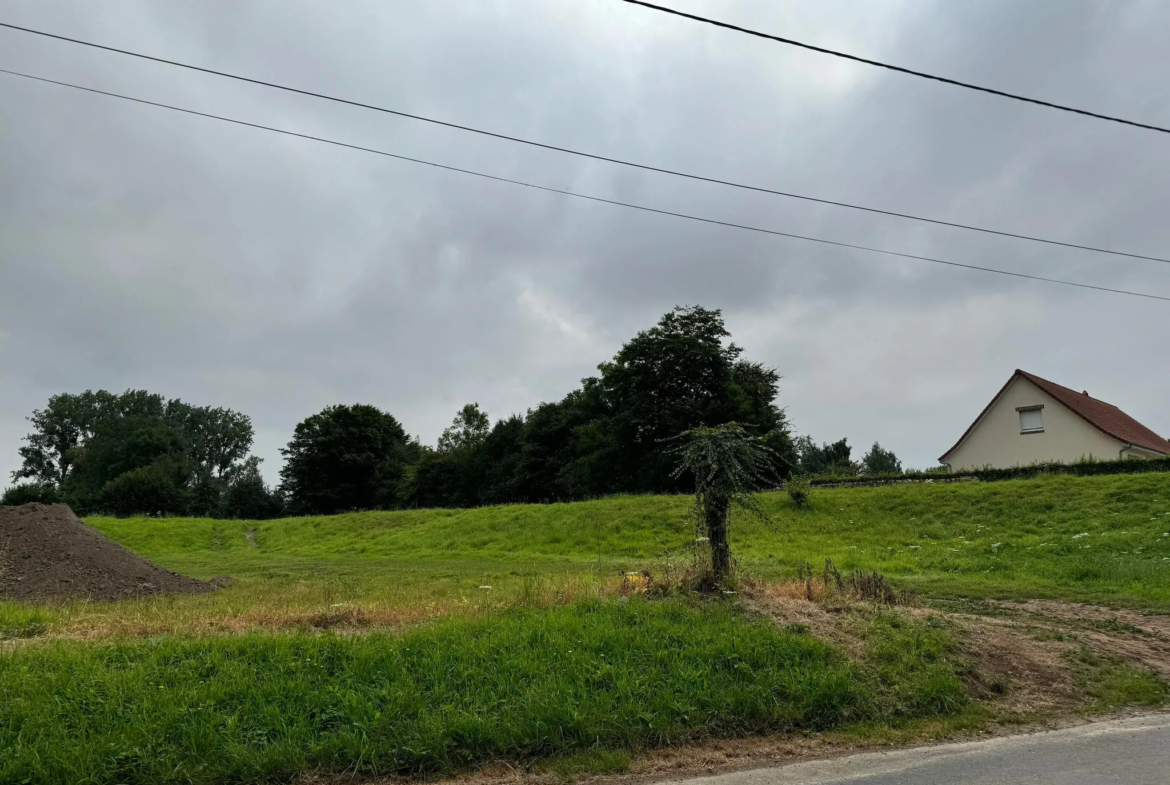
point(594, 679)
point(1097, 539)
point(23, 621)
point(486, 639)
point(1110, 683)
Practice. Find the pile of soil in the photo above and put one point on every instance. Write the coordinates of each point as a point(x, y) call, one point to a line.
point(46, 552)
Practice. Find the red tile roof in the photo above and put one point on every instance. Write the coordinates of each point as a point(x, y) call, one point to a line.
point(1105, 417)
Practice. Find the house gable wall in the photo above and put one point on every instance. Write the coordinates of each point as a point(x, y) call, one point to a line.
point(996, 440)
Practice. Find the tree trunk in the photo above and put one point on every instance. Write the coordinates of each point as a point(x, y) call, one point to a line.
point(715, 511)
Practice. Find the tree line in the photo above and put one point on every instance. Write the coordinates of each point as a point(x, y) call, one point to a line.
point(137, 452)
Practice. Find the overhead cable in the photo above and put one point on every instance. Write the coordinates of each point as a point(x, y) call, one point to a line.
point(594, 156)
point(898, 68)
point(629, 205)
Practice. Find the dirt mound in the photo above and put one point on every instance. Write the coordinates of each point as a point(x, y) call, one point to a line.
point(47, 553)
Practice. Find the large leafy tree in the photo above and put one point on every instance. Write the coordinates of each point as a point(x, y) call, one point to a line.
point(345, 458)
point(611, 434)
point(880, 461)
point(82, 442)
point(468, 430)
point(473, 464)
point(58, 431)
point(676, 376)
point(125, 444)
point(557, 453)
point(832, 459)
point(216, 440)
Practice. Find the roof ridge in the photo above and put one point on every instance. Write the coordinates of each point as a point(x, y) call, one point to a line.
point(1106, 417)
point(1084, 393)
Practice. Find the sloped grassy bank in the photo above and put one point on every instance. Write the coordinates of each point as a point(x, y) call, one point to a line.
point(522, 686)
point(1087, 539)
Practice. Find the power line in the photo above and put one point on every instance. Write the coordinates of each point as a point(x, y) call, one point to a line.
point(593, 156)
point(899, 69)
point(629, 205)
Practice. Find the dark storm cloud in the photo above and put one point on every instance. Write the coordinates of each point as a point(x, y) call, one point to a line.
point(139, 248)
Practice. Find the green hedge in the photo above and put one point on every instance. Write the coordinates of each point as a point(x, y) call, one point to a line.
point(1080, 468)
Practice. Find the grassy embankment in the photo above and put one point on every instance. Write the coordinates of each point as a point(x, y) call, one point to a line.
point(1094, 539)
point(597, 680)
point(553, 679)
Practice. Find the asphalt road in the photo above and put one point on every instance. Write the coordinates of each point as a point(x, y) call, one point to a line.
point(1120, 752)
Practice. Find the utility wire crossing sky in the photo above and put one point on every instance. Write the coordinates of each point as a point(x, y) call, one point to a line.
point(646, 167)
point(576, 195)
point(899, 69)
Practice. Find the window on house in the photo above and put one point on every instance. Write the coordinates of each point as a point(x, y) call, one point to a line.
point(1032, 420)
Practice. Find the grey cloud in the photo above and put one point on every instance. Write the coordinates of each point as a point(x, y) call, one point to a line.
point(237, 268)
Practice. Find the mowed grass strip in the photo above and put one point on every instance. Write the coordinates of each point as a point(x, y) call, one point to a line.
point(522, 686)
point(1097, 539)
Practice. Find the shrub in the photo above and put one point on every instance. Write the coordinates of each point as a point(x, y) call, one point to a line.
point(799, 490)
point(29, 492)
point(988, 474)
point(149, 490)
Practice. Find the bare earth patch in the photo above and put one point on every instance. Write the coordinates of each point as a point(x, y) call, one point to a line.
point(1143, 640)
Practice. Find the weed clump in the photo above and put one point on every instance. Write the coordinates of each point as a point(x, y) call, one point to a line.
point(868, 586)
point(799, 491)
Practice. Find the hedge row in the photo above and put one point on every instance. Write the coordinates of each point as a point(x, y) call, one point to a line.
point(1080, 468)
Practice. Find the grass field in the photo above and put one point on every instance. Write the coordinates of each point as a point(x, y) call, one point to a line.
point(496, 633)
point(594, 675)
point(1096, 539)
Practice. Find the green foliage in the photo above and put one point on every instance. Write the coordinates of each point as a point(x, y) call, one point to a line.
point(608, 436)
point(674, 377)
point(58, 430)
point(151, 489)
point(727, 466)
point(1088, 468)
point(205, 497)
point(879, 462)
point(345, 458)
point(473, 464)
point(218, 440)
point(799, 491)
point(523, 686)
point(81, 443)
point(29, 492)
point(248, 497)
point(828, 459)
point(468, 431)
point(126, 444)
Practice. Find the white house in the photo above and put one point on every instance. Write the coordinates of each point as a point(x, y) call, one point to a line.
point(1033, 420)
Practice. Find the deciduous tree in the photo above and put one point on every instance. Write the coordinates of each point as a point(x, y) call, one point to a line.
point(345, 458)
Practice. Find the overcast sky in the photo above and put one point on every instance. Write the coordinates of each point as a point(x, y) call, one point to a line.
point(140, 248)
